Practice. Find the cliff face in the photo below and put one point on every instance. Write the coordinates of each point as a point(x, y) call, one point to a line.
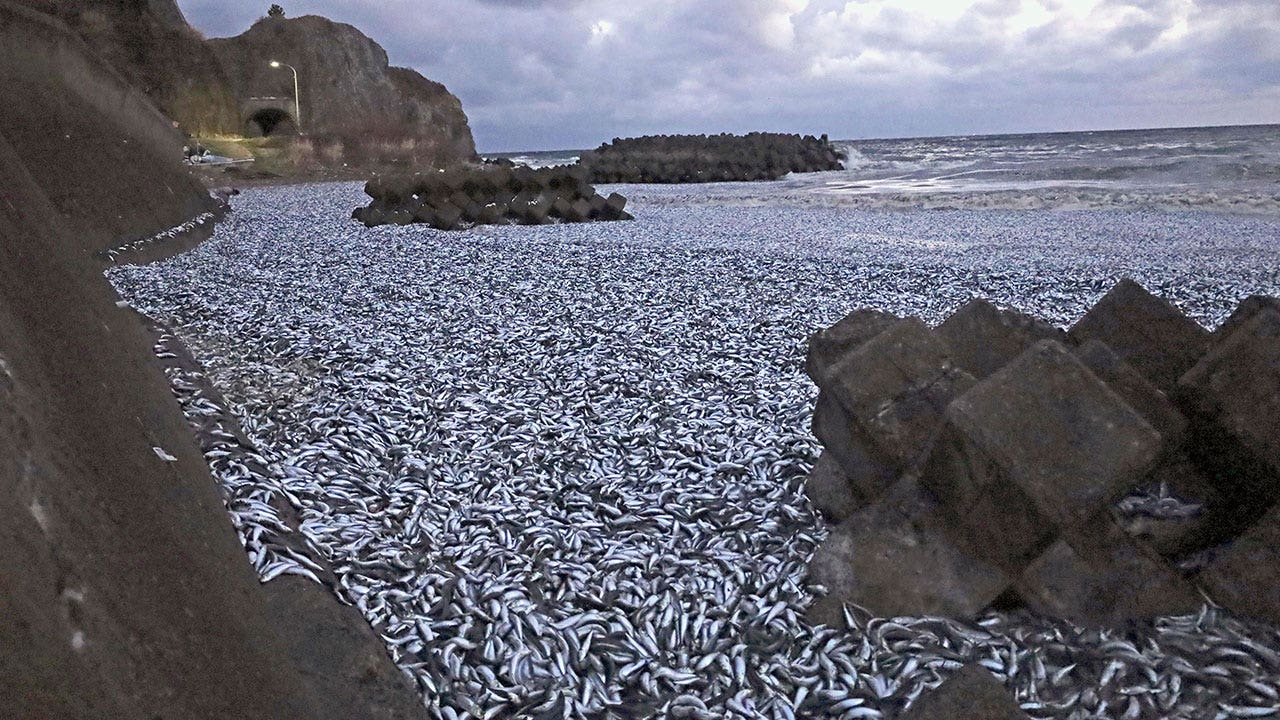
point(349, 90)
point(347, 84)
point(168, 13)
point(151, 44)
point(428, 105)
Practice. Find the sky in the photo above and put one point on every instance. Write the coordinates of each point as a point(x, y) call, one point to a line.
point(553, 74)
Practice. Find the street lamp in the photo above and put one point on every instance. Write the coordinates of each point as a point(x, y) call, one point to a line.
point(297, 105)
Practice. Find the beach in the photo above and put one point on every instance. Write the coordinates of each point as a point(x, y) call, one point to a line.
point(561, 468)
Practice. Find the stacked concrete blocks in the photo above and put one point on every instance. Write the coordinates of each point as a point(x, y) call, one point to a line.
point(1000, 457)
point(463, 197)
point(709, 158)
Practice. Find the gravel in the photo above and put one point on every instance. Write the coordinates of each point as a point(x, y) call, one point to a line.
point(561, 468)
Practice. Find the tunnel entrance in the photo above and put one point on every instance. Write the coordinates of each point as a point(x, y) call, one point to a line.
point(270, 121)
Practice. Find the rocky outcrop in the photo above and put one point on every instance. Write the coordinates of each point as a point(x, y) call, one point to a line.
point(429, 105)
point(124, 590)
point(67, 115)
point(168, 13)
point(348, 88)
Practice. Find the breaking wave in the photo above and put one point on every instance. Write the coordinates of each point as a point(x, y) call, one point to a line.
point(1228, 168)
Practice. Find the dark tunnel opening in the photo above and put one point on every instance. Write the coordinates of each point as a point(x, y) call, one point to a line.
point(270, 121)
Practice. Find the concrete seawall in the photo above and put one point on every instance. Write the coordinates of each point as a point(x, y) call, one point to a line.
point(124, 590)
point(101, 152)
point(37, 48)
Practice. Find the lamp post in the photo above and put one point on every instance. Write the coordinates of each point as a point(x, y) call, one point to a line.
point(297, 104)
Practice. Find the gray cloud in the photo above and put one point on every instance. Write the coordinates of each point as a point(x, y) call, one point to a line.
point(574, 73)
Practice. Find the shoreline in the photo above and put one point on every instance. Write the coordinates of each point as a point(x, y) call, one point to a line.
point(811, 190)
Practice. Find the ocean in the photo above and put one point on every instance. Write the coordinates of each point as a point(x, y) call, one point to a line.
point(1233, 169)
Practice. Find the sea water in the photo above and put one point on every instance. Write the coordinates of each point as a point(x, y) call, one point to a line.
point(1233, 169)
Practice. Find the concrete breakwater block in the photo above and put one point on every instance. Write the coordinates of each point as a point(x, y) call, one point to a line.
point(831, 491)
point(1144, 397)
point(1101, 577)
point(708, 158)
point(1244, 312)
point(1041, 445)
point(849, 449)
point(1148, 332)
point(895, 388)
point(828, 346)
point(973, 693)
point(1190, 517)
point(491, 194)
point(1233, 398)
point(984, 338)
point(898, 556)
point(1245, 575)
point(1066, 468)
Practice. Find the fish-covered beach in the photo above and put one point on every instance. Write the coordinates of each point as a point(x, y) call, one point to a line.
point(561, 469)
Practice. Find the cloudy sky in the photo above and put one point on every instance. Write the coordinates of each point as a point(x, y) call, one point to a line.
point(549, 74)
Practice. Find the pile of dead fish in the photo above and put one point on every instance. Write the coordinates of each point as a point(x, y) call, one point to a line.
point(564, 474)
point(260, 512)
point(491, 194)
point(116, 253)
point(709, 158)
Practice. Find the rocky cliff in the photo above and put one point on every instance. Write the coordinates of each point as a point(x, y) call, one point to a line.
point(347, 84)
point(67, 115)
point(349, 89)
point(122, 587)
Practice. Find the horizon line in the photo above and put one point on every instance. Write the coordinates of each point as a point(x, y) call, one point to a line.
point(943, 137)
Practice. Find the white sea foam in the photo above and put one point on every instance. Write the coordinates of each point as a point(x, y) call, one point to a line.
point(835, 190)
point(540, 159)
point(1233, 168)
